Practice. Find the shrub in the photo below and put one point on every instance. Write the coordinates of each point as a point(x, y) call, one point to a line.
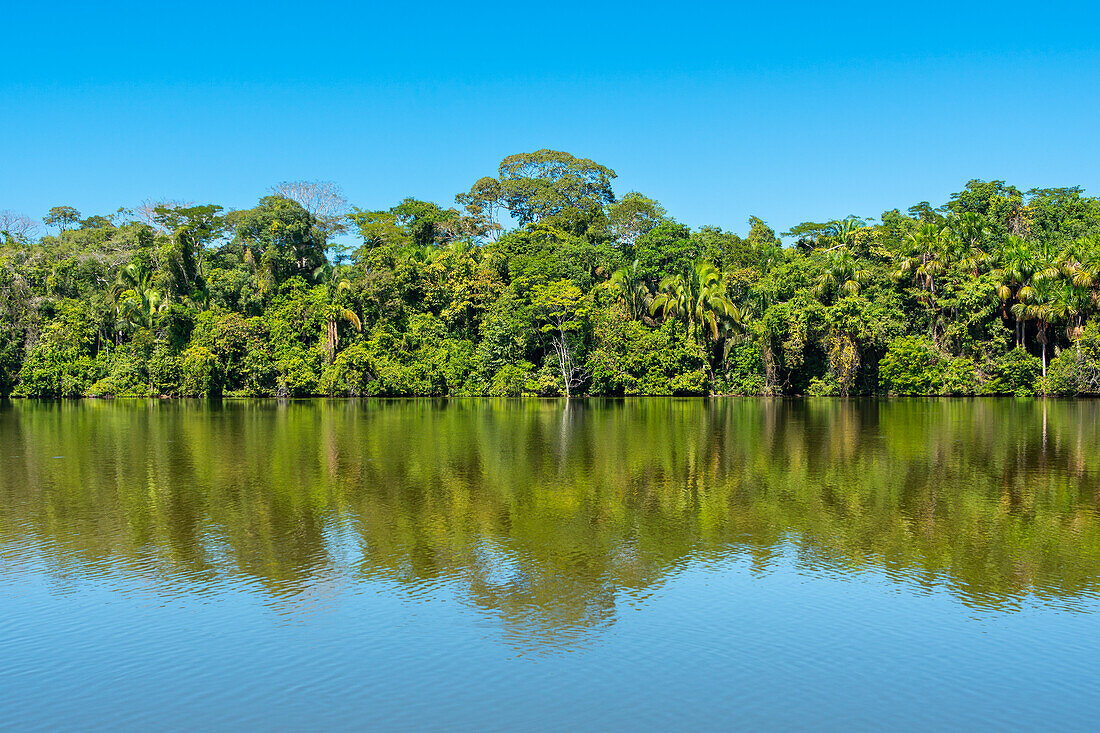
point(630, 359)
point(958, 377)
point(127, 375)
point(1076, 370)
point(744, 370)
point(826, 386)
point(164, 371)
point(511, 380)
point(60, 364)
point(298, 372)
point(350, 373)
point(911, 366)
point(1017, 372)
point(201, 373)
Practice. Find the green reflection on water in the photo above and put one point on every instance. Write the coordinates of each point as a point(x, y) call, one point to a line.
point(546, 513)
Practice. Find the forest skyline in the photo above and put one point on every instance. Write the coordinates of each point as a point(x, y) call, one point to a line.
point(543, 281)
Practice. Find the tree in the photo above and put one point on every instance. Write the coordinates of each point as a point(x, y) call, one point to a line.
point(281, 240)
point(138, 301)
point(534, 186)
point(561, 309)
point(16, 227)
point(842, 274)
point(666, 249)
point(1040, 302)
point(632, 217)
point(381, 234)
point(484, 203)
point(427, 224)
point(1017, 266)
point(62, 217)
point(926, 260)
point(698, 298)
point(324, 200)
point(968, 233)
point(336, 282)
point(808, 234)
point(629, 289)
point(190, 229)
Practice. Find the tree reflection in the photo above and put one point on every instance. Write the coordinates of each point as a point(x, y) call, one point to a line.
point(545, 513)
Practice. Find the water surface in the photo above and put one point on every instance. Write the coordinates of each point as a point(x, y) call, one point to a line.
point(512, 564)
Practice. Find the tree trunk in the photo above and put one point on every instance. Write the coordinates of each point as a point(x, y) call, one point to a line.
point(565, 363)
point(330, 340)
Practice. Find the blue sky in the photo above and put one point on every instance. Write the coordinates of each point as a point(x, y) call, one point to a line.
point(792, 112)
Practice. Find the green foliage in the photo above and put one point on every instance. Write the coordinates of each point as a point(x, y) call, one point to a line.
point(958, 377)
point(127, 375)
point(744, 370)
point(61, 363)
point(911, 366)
point(201, 374)
point(165, 372)
point(630, 359)
point(1076, 370)
point(511, 380)
point(544, 184)
point(666, 249)
point(1017, 372)
point(995, 292)
point(281, 240)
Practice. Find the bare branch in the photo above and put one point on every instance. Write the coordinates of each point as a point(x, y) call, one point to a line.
point(323, 199)
point(146, 212)
point(17, 225)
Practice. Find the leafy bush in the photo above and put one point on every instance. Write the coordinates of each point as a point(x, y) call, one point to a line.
point(511, 380)
point(911, 366)
point(1076, 370)
point(630, 359)
point(298, 372)
point(1017, 372)
point(350, 374)
point(826, 386)
point(60, 364)
point(958, 377)
point(201, 373)
point(127, 376)
point(744, 370)
point(164, 371)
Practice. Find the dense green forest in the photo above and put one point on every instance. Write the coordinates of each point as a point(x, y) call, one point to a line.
point(542, 281)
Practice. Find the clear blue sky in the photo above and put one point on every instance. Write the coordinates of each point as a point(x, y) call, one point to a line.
point(790, 111)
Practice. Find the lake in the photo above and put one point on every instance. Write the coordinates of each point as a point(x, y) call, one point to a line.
point(529, 564)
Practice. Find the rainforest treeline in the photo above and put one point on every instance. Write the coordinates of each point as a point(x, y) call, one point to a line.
point(542, 281)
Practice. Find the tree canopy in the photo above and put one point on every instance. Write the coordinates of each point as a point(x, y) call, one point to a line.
point(542, 281)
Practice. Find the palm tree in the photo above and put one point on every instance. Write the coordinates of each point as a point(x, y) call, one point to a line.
point(842, 273)
point(336, 282)
point(1018, 265)
point(630, 290)
point(843, 231)
point(1081, 262)
point(419, 254)
point(137, 301)
point(1045, 301)
point(967, 232)
point(927, 259)
point(698, 297)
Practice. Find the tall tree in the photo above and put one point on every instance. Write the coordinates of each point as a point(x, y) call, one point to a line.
point(282, 240)
point(534, 186)
point(62, 217)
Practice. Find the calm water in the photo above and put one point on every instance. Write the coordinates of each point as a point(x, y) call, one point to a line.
point(530, 565)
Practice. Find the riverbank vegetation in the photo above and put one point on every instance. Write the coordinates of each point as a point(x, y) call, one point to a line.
point(543, 281)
